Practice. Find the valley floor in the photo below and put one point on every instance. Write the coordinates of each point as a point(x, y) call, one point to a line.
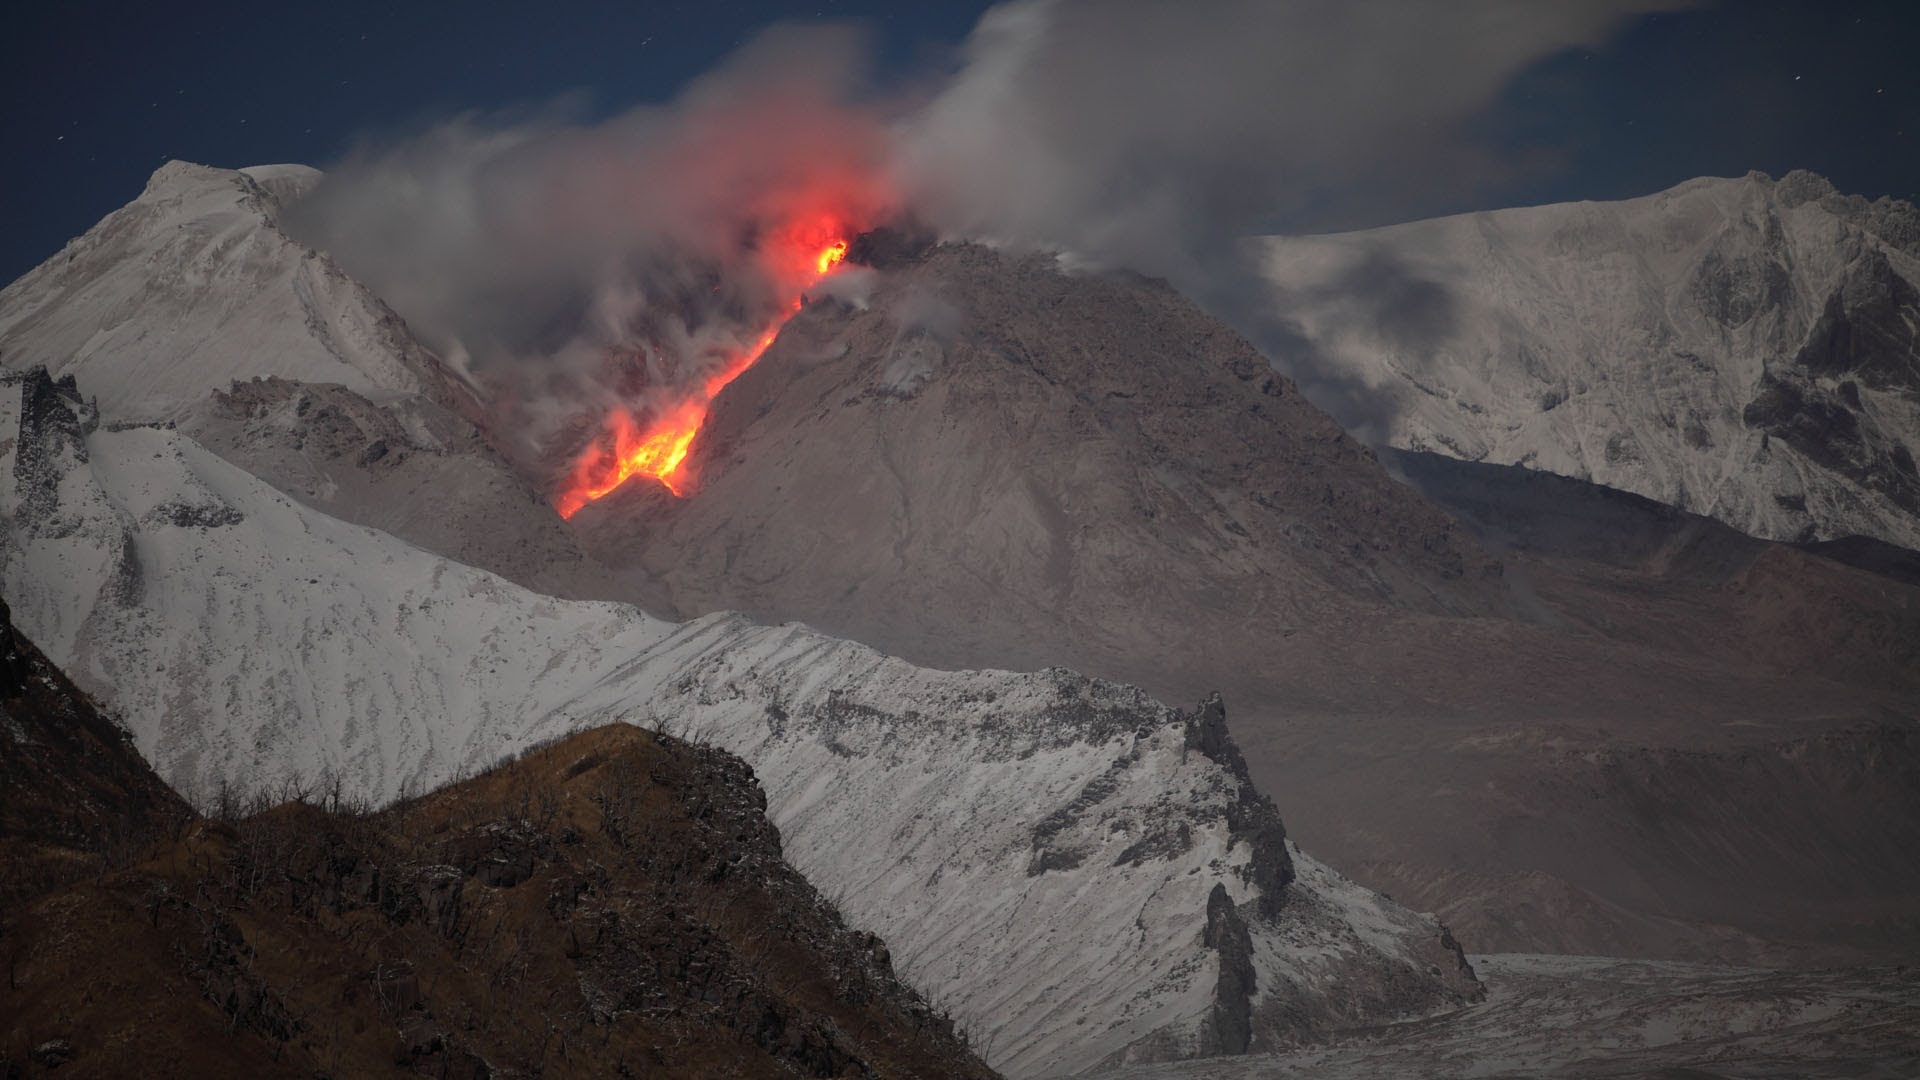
point(1574, 1018)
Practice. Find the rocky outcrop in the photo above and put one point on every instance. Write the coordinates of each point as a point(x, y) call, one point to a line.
point(54, 422)
point(409, 466)
point(1230, 1025)
point(1826, 427)
point(1895, 221)
point(1252, 818)
point(1867, 329)
point(614, 903)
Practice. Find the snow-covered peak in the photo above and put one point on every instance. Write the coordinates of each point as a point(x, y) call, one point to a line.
point(284, 183)
point(1746, 348)
point(177, 177)
point(192, 286)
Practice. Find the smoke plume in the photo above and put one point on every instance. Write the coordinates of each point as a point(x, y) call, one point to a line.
point(588, 265)
point(576, 267)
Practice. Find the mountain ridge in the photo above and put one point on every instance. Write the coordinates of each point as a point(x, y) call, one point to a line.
point(1742, 348)
point(613, 900)
point(964, 816)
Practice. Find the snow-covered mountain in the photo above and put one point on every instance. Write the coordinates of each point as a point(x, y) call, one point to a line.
point(193, 286)
point(190, 306)
point(1079, 873)
point(1747, 349)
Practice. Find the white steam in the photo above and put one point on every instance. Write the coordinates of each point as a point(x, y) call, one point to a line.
point(577, 265)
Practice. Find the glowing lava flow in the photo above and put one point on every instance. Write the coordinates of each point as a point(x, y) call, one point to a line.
point(660, 448)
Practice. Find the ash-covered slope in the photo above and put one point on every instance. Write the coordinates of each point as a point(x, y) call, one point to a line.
point(1745, 349)
point(1754, 797)
point(611, 904)
point(1076, 872)
point(990, 461)
point(191, 306)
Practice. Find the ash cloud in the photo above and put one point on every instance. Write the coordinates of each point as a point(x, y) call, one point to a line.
point(574, 265)
point(577, 264)
point(1378, 299)
point(1145, 134)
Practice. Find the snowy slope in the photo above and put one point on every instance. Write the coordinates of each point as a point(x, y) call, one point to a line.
point(1080, 874)
point(1746, 349)
point(192, 286)
point(189, 305)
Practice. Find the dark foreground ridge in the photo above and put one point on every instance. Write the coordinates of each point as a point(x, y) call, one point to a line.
point(74, 793)
point(613, 904)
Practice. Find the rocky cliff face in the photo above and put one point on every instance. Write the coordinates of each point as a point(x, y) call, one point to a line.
point(410, 467)
point(1745, 349)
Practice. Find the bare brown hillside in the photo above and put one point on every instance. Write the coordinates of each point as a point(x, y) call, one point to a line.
point(614, 904)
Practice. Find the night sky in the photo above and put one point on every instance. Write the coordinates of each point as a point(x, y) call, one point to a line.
point(98, 95)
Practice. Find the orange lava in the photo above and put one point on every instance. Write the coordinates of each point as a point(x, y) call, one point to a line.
point(798, 256)
point(831, 257)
